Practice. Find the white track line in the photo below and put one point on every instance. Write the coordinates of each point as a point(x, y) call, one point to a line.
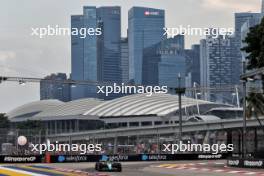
point(250, 173)
point(202, 163)
point(192, 168)
point(219, 170)
point(234, 172)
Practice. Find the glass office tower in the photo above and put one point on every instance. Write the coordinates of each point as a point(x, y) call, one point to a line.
point(163, 62)
point(240, 19)
point(145, 28)
point(217, 67)
point(109, 69)
point(108, 46)
point(124, 60)
point(84, 54)
point(193, 64)
point(52, 87)
point(96, 57)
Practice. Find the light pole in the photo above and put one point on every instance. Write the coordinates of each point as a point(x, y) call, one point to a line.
point(237, 97)
point(180, 90)
point(196, 98)
point(244, 149)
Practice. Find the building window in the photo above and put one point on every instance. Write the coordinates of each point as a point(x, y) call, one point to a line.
point(146, 123)
point(158, 122)
point(133, 124)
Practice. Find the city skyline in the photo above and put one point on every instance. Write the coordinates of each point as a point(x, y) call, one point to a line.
point(7, 55)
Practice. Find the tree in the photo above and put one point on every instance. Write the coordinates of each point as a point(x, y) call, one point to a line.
point(255, 106)
point(255, 46)
point(255, 51)
point(4, 121)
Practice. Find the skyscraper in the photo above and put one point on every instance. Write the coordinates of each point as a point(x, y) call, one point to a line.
point(216, 67)
point(163, 62)
point(145, 28)
point(124, 60)
point(193, 63)
point(96, 57)
point(84, 54)
point(240, 19)
point(262, 6)
point(204, 67)
point(52, 87)
point(108, 44)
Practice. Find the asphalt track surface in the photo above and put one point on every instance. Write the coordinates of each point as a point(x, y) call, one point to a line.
point(175, 168)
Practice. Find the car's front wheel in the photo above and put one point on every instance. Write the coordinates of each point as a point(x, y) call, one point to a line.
point(97, 166)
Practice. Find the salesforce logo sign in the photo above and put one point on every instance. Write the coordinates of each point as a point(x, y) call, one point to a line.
point(104, 158)
point(144, 157)
point(61, 158)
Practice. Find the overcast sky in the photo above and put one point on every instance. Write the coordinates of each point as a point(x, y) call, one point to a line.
point(24, 55)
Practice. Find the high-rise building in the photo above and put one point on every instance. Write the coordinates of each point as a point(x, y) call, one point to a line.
point(193, 63)
point(163, 62)
point(221, 58)
point(216, 67)
point(240, 19)
point(84, 54)
point(96, 57)
point(204, 63)
point(204, 67)
point(124, 60)
point(108, 44)
point(52, 87)
point(145, 28)
point(262, 6)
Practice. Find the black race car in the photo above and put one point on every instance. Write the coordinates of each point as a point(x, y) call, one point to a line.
point(108, 166)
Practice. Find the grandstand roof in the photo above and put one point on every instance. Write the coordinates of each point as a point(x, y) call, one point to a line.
point(141, 104)
point(76, 107)
point(33, 108)
point(132, 105)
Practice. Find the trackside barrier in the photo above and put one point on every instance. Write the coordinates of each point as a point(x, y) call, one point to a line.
point(21, 159)
point(94, 158)
point(245, 163)
point(140, 157)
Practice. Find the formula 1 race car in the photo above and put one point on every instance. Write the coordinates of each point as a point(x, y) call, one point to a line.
point(108, 166)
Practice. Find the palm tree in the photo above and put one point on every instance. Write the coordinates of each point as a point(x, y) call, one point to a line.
point(255, 51)
point(255, 106)
point(255, 48)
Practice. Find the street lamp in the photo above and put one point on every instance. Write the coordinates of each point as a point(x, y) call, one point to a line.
point(244, 111)
point(196, 97)
point(180, 90)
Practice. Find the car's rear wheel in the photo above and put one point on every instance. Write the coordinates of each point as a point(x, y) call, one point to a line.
point(119, 169)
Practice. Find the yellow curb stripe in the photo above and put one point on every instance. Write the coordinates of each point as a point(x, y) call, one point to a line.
point(47, 170)
point(12, 173)
point(164, 165)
